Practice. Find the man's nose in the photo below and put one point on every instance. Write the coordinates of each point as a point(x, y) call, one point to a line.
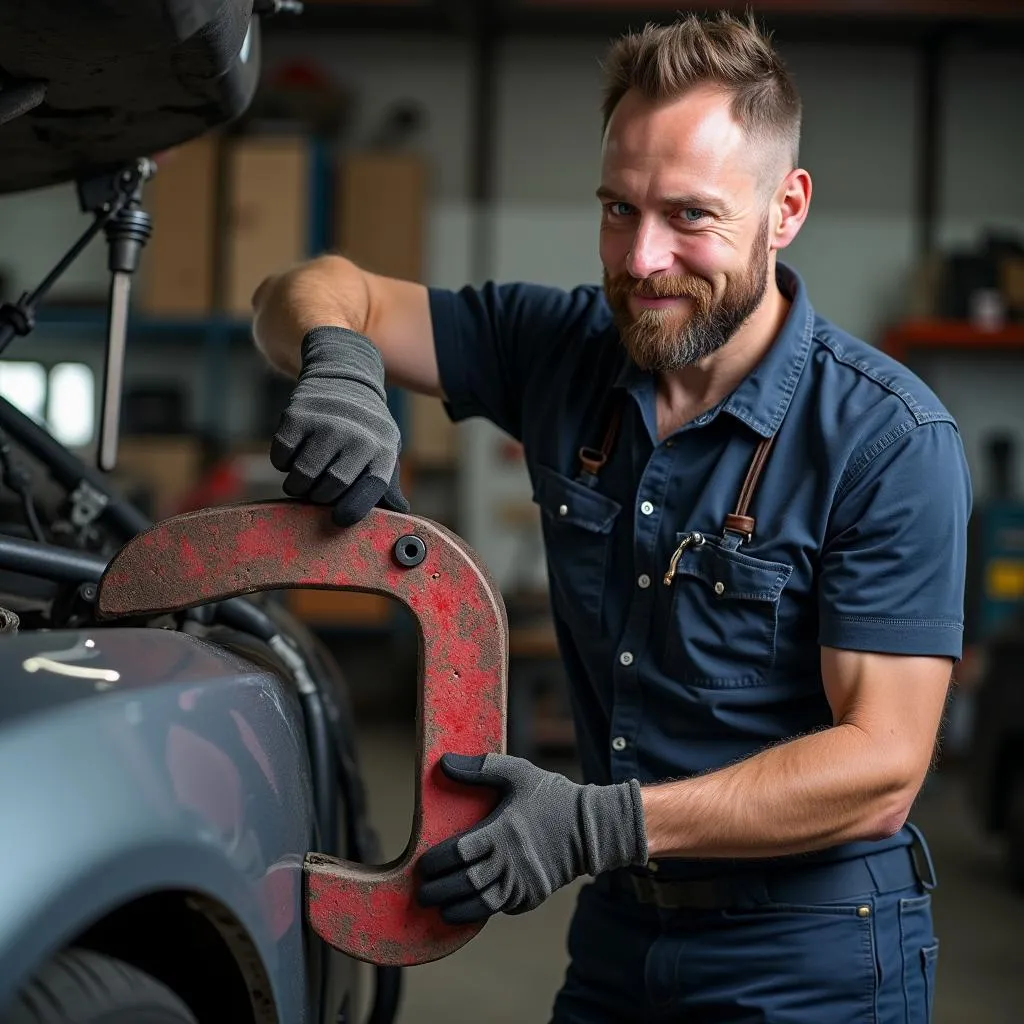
point(651, 251)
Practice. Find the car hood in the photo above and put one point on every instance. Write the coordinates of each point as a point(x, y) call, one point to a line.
point(43, 669)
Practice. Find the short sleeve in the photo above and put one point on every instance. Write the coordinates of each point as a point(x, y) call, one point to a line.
point(495, 342)
point(894, 564)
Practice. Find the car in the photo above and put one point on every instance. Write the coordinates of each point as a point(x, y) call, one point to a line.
point(162, 776)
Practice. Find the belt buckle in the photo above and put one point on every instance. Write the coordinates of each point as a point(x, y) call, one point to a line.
point(646, 889)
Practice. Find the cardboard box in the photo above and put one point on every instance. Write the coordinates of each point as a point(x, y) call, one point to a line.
point(267, 213)
point(430, 438)
point(381, 225)
point(176, 271)
point(381, 212)
point(347, 608)
point(165, 468)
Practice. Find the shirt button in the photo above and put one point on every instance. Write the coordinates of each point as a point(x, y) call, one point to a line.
point(647, 508)
point(644, 581)
point(563, 510)
point(626, 658)
point(619, 743)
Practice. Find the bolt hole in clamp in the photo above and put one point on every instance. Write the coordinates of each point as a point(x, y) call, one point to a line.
point(368, 912)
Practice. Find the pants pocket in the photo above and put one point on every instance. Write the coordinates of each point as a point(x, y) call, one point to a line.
point(920, 951)
point(929, 963)
point(788, 964)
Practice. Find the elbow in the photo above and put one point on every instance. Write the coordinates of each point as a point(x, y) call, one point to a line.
point(284, 285)
point(889, 812)
point(886, 824)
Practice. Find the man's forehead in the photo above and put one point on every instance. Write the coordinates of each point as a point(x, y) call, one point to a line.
point(693, 142)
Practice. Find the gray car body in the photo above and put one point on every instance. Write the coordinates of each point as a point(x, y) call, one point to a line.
point(138, 760)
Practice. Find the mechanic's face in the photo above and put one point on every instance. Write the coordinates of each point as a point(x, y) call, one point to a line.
point(685, 227)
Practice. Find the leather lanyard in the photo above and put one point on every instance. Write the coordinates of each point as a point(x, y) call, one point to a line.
point(740, 524)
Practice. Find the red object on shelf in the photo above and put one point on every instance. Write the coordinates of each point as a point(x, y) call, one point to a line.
point(900, 340)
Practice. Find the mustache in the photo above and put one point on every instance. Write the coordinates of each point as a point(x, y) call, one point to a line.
point(668, 288)
point(659, 287)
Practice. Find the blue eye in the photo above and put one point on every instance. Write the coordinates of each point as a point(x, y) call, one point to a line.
point(700, 215)
point(617, 209)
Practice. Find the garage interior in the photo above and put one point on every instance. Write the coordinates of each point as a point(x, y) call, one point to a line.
point(457, 142)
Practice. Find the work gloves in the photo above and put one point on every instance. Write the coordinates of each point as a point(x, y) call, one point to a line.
point(545, 832)
point(337, 439)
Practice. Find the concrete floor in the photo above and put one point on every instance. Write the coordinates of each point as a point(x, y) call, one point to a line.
point(509, 973)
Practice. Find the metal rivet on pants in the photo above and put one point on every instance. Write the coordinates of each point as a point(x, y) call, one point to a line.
point(719, 588)
point(563, 510)
point(863, 911)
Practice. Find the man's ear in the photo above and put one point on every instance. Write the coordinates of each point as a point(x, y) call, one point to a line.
point(790, 206)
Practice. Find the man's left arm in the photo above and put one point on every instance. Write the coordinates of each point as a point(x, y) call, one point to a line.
point(856, 780)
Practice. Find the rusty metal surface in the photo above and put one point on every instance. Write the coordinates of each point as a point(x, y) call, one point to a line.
point(369, 912)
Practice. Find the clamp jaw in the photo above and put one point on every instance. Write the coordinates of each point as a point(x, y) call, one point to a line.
point(368, 912)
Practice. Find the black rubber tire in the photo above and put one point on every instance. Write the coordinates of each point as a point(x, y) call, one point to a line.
point(81, 987)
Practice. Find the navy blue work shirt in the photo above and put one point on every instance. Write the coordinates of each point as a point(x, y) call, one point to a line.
point(860, 540)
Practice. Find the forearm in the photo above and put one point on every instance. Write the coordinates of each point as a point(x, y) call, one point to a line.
point(329, 291)
point(810, 793)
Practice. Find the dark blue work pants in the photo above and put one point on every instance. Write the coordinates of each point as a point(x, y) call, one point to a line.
point(869, 960)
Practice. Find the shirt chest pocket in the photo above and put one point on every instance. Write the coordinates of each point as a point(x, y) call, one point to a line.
point(724, 616)
point(577, 523)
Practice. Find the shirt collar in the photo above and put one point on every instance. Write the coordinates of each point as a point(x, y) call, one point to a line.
point(762, 398)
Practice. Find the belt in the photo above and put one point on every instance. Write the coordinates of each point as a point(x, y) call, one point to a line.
point(811, 883)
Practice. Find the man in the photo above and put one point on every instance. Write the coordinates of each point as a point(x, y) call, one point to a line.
point(755, 528)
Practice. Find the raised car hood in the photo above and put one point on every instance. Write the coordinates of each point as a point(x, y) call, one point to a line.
point(121, 79)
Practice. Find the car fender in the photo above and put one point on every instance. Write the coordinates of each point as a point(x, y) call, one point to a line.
point(186, 772)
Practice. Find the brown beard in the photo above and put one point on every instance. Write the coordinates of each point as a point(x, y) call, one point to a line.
point(657, 341)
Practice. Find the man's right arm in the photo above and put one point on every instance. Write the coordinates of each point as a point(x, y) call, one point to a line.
point(332, 291)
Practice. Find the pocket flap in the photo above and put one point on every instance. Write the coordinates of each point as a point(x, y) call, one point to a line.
point(734, 575)
point(567, 501)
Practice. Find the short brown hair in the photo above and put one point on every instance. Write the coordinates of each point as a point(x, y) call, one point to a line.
point(663, 62)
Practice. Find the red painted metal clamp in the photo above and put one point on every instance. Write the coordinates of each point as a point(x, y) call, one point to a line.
point(366, 911)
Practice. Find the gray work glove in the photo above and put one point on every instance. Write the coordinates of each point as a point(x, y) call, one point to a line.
point(337, 440)
point(545, 831)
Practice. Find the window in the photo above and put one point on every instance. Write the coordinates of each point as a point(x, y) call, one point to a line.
point(61, 398)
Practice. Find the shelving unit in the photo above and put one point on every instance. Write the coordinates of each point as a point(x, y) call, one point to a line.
point(913, 336)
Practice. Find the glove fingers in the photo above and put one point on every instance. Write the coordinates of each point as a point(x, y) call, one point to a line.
point(309, 467)
point(473, 909)
point(460, 884)
point(442, 859)
point(479, 769)
point(285, 446)
point(356, 502)
point(331, 484)
point(393, 497)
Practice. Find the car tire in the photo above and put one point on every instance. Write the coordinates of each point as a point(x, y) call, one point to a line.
point(79, 986)
point(1015, 829)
